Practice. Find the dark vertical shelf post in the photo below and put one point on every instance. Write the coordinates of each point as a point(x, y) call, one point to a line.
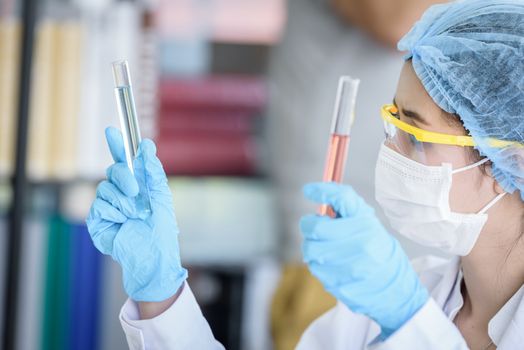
point(19, 180)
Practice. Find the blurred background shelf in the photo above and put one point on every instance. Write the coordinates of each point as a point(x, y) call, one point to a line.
point(199, 72)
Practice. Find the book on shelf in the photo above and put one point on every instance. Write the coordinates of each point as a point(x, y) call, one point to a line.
point(85, 291)
point(207, 125)
point(10, 35)
point(220, 92)
point(210, 122)
point(54, 100)
point(186, 154)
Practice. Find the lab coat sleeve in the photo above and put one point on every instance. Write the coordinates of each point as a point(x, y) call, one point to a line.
point(338, 329)
point(182, 326)
point(428, 329)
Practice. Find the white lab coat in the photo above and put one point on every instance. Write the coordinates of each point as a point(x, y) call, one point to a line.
point(182, 326)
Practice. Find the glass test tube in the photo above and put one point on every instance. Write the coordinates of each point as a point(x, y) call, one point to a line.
point(343, 116)
point(130, 128)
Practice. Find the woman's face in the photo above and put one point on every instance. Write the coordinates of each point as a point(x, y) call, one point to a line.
point(471, 190)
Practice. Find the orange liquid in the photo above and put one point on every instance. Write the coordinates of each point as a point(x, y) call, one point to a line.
point(335, 164)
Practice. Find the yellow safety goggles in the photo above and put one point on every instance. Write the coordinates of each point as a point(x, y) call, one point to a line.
point(422, 135)
point(424, 146)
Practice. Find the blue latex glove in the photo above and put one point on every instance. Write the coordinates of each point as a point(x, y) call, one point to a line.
point(146, 248)
point(357, 261)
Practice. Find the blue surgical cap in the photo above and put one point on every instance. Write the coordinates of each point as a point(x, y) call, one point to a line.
point(469, 55)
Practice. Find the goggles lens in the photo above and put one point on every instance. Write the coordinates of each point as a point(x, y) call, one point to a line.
point(428, 153)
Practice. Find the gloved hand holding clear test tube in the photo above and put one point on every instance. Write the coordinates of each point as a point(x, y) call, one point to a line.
point(145, 247)
point(343, 116)
point(132, 218)
point(130, 130)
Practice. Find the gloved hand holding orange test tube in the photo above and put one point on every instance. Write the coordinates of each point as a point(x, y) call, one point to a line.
point(343, 116)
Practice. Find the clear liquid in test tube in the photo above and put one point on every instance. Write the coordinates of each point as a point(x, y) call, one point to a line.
point(343, 117)
point(130, 130)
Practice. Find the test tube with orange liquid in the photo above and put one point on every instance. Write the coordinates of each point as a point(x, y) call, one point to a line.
point(343, 116)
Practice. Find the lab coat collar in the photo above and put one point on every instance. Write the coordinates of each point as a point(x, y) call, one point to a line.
point(445, 291)
point(506, 328)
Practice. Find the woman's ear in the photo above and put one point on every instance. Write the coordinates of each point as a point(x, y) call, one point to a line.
point(496, 186)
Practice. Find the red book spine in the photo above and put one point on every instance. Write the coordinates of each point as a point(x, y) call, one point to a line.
point(194, 154)
point(216, 92)
point(209, 122)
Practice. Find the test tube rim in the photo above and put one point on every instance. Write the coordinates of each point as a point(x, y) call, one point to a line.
point(354, 84)
point(122, 65)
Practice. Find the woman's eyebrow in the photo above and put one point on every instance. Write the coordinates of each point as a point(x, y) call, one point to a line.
point(411, 114)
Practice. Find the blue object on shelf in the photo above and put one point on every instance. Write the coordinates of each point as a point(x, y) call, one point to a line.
point(85, 279)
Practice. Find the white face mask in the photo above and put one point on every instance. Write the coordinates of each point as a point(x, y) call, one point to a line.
point(415, 199)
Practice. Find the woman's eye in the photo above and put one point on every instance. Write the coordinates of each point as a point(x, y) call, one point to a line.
point(413, 140)
point(419, 144)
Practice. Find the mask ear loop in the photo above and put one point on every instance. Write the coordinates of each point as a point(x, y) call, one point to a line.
point(471, 166)
point(474, 165)
point(492, 203)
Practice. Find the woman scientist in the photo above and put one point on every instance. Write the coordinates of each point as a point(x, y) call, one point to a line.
point(449, 175)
